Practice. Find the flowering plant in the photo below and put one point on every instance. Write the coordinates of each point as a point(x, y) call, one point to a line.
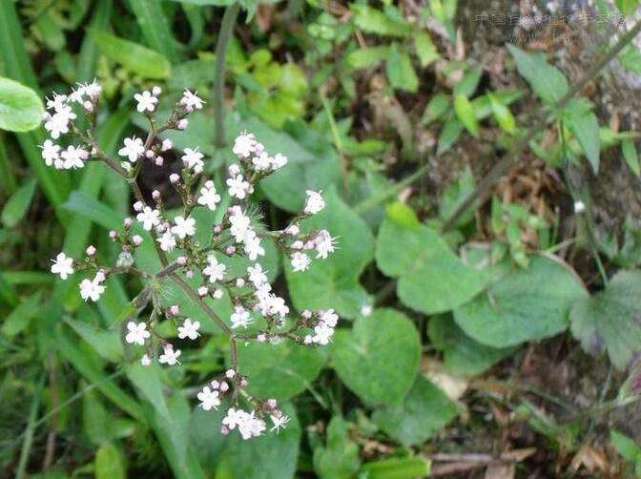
point(183, 257)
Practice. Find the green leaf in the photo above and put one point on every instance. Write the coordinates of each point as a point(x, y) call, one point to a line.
point(502, 115)
point(461, 354)
point(106, 343)
point(524, 305)
point(20, 107)
point(450, 133)
point(134, 57)
point(155, 27)
point(465, 113)
point(436, 108)
point(631, 157)
point(584, 124)
point(379, 358)
point(18, 204)
point(609, 320)
point(110, 463)
point(150, 386)
point(371, 20)
point(400, 70)
point(334, 282)
point(425, 49)
point(367, 57)
point(625, 446)
point(18, 320)
point(398, 468)
point(547, 81)
point(273, 455)
point(424, 411)
point(432, 279)
point(279, 371)
point(627, 7)
point(339, 459)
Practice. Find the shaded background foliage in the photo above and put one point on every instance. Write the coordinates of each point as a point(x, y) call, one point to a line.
point(463, 343)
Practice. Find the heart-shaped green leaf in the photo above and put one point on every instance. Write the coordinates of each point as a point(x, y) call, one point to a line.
point(333, 282)
point(611, 320)
point(524, 305)
point(432, 278)
point(379, 358)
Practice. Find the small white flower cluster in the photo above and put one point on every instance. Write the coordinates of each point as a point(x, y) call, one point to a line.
point(259, 313)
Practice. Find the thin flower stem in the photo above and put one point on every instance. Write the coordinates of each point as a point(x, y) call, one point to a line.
point(540, 122)
point(224, 35)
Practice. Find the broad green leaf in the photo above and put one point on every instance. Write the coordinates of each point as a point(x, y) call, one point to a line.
point(450, 133)
point(334, 282)
point(372, 20)
point(367, 57)
point(436, 108)
point(95, 419)
point(397, 468)
point(547, 81)
point(279, 371)
point(469, 83)
point(134, 57)
point(609, 320)
point(432, 278)
point(205, 436)
point(110, 463)
point(273, 455)
point(424, 411)
point(584, 124)
point(631, 157)
point(502, 115)
point(461, 354)
point(339, 458)
point(524, 305)
point(400, 70)
point(425, 49)
point(149, 383)
point(20, 107)
point(465, 113)
point(379, 358)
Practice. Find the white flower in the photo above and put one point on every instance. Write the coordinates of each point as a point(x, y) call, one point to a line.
point(169, 356)
point(73, 157)
point(191, 101)
point(50, 152)
point(208, 196)
point(244, 145)
point(62, 266)
point(93, 89)
point(184, 227)
point(146, 101)
point(193, 159)
point(58, 123)
point(92, 289)
point(208, 398)
point(324, 244)
point(579, 207)
point(137, 333)
point(240, 223)
point(314, 204)
point(300, 261)
point(322, 334)
point(262, 162)
point(57, 102)
point(251, 426)
point(240, 318)
point(256, 275)
point(189, 329)
point(133, 149)
point(214, 269)
point(166, 145)
point(329, 317)
point(149, 217)
point(238, 187)
point(366, 310)
point(167, 241)
point(145, 360)
point(279, 422)
point(278, 161)
point(252, 245)
point(182, 124)
point(233, 418)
